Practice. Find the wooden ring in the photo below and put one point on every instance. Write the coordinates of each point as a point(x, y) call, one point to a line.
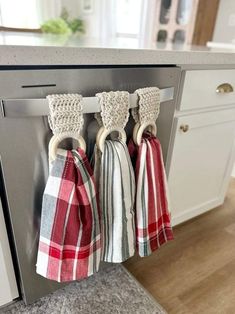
point(142, 128)
point(58, 138)
point(102, 135)
point(135, 131)
point(101, 129)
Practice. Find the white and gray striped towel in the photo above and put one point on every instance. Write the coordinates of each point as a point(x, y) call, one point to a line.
point(117, 196)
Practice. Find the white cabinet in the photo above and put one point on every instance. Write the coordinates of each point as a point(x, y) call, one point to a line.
point(201, 162)
point(8, 287)
point(202, 148)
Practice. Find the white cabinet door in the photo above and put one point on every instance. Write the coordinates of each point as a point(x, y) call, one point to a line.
point(201, 162)
point(8, 287)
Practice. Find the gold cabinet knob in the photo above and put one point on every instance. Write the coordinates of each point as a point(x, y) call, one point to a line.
point(184, 128)
point(224, 88)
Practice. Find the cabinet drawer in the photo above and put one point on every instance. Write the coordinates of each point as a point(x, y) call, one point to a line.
point(200, 87)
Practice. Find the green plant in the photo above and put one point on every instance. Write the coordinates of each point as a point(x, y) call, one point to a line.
point(63, 25)
point(76, 25)
point(56, 26)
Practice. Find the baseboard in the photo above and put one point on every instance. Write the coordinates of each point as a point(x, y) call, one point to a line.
point(196, 211)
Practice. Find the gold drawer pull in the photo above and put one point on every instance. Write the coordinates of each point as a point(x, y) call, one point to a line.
point(184, 128)
point(224, 88)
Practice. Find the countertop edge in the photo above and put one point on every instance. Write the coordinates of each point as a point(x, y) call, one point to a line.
point(82, 56)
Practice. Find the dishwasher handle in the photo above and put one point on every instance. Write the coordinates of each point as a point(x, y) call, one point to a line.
point(21, 108)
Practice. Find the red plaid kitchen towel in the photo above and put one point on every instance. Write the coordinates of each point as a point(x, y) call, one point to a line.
point(153, 226)
point(70, 242)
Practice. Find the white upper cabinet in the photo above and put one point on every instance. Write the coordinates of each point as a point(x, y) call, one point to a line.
point(8, 287)
point(201, 162)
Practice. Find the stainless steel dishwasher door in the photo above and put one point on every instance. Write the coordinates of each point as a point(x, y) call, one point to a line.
point(24, 143)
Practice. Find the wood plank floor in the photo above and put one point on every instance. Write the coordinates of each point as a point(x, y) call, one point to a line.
point(195, 273)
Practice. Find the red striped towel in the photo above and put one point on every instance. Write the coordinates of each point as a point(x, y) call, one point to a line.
point(69, 244)
point(153, 227)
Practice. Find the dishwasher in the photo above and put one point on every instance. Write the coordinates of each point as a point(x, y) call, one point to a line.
point(25, 134)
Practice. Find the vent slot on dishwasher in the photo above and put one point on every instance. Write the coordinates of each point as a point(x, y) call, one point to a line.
point(38, 85)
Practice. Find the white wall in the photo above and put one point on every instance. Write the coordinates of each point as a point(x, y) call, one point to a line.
point(233, 172)
point(48, 9)
point(92, 19)
point(225, 23)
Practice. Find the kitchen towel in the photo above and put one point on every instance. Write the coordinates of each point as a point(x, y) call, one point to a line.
point(115, 179)
point(117, 196)
point(70, 240)
point(153, 226)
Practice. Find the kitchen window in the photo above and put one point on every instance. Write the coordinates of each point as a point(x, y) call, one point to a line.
point(16, 14)
point(128, 18)
point(27, 14)
point(127, 15)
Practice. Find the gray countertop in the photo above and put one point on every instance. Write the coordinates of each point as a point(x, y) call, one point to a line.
point(37, 49)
